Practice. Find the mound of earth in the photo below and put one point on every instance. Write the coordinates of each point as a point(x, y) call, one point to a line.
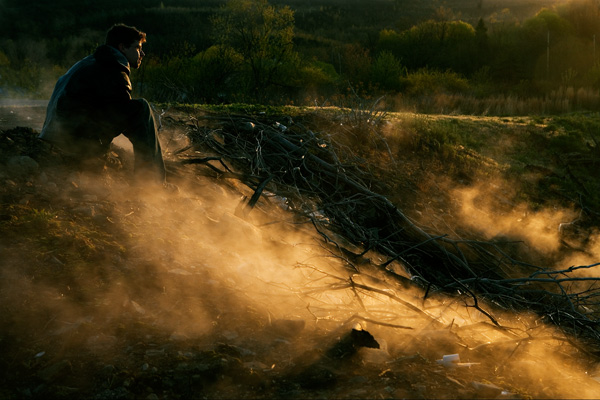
point(112, 289)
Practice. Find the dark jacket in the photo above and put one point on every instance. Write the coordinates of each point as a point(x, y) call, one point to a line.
point(96, 83)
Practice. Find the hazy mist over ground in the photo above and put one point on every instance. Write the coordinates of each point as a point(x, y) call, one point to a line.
point(105, 274)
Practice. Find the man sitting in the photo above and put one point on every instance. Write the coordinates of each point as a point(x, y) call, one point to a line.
point(91, 105)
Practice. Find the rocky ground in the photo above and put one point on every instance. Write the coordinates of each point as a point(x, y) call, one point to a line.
point(115, 290)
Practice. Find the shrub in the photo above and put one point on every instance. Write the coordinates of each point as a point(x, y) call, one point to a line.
point(208, 76)
point(427, 82)
point(318, 74)
point(387, 71)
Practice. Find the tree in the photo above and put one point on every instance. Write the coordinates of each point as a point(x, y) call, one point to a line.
point(481, 52)
point(438, 45)
point(540, 37)
point(547, 20)
point(387, 71)
point(584, 15)
point(389, 40)
point(263, 36)
point(481, 33)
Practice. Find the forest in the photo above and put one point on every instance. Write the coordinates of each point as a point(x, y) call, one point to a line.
point(476, 57)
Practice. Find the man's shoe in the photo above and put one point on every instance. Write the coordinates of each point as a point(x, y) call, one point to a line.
point(113, 160)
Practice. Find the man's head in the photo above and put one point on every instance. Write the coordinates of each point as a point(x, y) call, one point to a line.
point(128, 40)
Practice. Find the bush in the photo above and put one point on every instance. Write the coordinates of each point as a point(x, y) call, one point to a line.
point(208, 76)
point(429, 82)
point(387, 72)
point(319, 75)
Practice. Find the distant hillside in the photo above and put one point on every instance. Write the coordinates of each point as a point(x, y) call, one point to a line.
point(176, 19)
point(411, 52)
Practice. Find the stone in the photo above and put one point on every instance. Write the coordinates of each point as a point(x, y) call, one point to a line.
point(55, 371)
point(22, 166)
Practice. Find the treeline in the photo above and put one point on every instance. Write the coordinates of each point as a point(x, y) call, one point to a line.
point(307, 52)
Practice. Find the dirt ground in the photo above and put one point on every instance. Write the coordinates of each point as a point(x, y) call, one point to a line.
point(115, 291)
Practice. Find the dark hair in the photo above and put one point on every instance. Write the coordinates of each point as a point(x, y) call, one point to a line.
point(127, 35)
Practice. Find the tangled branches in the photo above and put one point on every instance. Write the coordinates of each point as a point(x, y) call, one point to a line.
point(320, 178)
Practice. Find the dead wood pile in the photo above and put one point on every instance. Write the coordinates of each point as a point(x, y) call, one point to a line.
point(314, 173)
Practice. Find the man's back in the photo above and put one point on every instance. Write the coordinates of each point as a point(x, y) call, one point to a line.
point(99, 80)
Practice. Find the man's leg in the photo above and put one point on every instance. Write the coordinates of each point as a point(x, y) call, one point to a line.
point(140, 129)
point(84, 142)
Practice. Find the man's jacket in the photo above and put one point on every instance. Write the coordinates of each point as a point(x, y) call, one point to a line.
point(98, 82)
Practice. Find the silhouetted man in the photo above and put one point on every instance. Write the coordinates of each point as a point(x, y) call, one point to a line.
point(91, 105)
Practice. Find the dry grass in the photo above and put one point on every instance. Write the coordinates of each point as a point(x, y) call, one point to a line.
point(560, 101)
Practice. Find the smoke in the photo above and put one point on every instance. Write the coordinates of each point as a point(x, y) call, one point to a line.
point(552, 232)
point(196, 270)
point(136, 263)
point(487, 208)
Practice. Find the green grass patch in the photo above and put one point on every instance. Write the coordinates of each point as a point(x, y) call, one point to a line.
point(235, 108)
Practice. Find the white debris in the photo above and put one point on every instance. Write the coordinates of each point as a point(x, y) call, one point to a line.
point(453, 361)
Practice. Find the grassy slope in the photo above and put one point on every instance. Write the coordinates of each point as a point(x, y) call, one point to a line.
point(529, 183)
point(558, 154)
point(518, 178)
point(537, 164)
